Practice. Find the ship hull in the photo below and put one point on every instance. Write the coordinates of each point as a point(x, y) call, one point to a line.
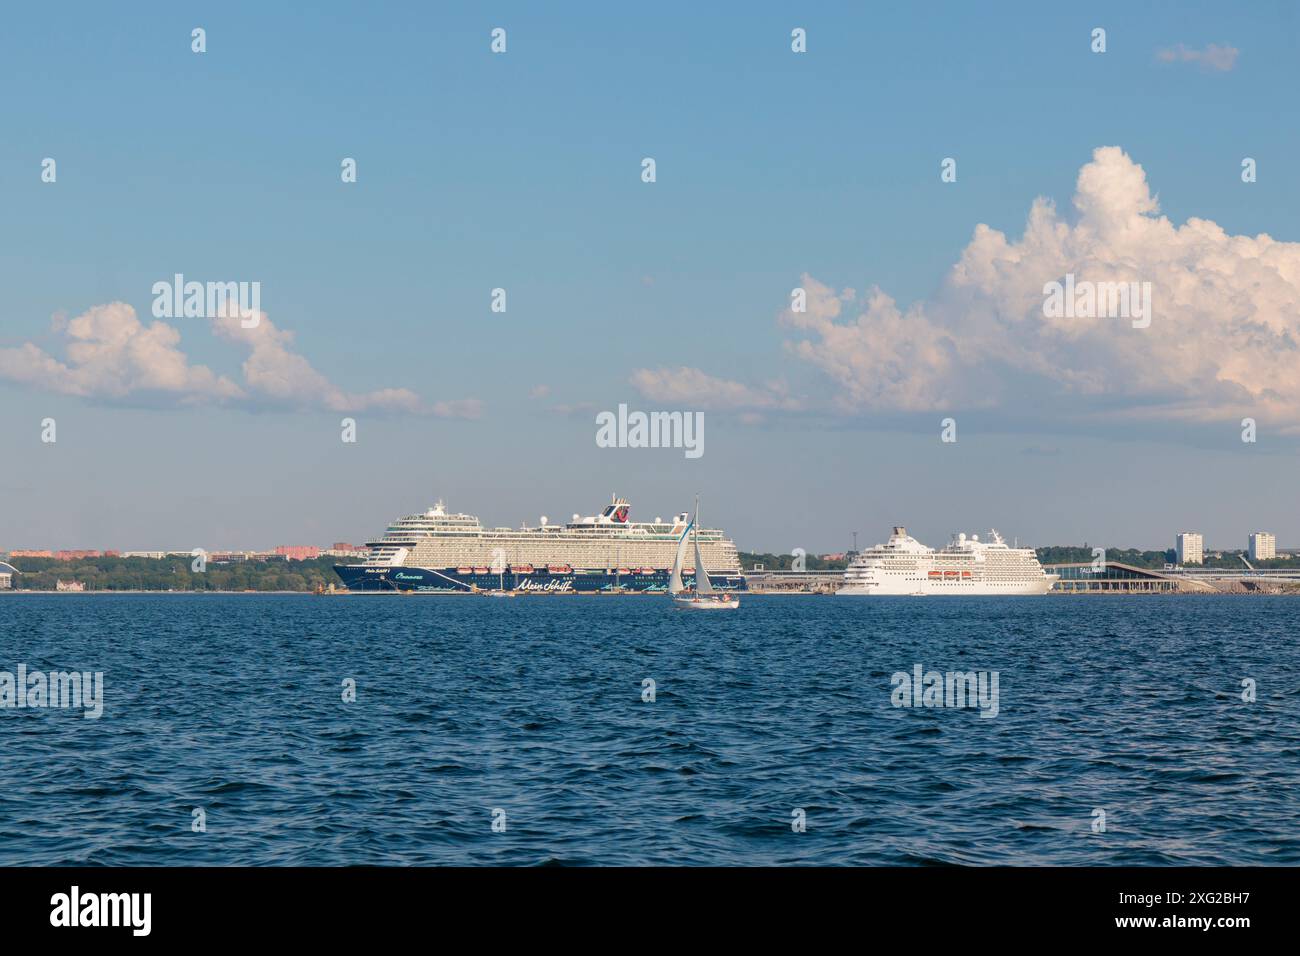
point(360, 577)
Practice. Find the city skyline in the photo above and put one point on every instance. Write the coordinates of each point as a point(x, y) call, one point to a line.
point(300, 551)
point(820, 172)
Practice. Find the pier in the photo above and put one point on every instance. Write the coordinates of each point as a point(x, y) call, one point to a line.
point(794, 582)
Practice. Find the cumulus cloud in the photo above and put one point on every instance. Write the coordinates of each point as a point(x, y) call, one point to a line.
point(111, 354)
point(1223, 342)
point(1214, 57)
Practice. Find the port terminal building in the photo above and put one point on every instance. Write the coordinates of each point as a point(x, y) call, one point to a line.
point(1114, 577)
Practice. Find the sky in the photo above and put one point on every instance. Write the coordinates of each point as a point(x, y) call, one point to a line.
point(774, 171)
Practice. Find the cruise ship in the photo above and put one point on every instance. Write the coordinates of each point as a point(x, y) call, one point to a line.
point(442, 551)
point(967, 566)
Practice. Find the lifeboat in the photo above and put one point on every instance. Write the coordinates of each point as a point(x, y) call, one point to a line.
point(645, 570)
point(624, 570)
point(480, 570)
point(936, 574)
point(521, 568)
point(464, 570)
point(950, 574)
point(559, 568)
point(965, 574)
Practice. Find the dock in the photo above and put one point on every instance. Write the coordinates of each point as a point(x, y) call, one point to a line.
point(794, 582)
point(1081, 578)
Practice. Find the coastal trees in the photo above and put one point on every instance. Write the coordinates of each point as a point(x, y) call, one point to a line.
point(173, 573)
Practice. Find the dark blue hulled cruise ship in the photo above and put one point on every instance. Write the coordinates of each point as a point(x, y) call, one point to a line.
point(437, 551)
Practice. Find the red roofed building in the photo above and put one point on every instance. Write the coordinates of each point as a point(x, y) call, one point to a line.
point(298, 552)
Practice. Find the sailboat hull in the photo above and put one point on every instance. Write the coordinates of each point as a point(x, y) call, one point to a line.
point(719, 603)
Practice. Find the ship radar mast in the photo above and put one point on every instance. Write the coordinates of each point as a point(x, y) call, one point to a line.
point(616, 511)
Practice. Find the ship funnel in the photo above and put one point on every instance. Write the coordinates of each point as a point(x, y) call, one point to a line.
point(899, 529)
point(543, 521)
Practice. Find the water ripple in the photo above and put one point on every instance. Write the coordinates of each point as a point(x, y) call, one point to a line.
point(470, 713)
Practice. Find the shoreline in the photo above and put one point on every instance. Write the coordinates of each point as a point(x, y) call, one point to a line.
point(780, 592)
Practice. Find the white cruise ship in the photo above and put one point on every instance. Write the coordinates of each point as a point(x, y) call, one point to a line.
point(966, 566)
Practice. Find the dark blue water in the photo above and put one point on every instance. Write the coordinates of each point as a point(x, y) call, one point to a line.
point(232, 704)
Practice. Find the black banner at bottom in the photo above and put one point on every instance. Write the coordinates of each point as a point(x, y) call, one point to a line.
point(332, 906)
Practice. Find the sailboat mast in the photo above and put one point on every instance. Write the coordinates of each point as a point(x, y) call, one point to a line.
point(702, 583)
point(695, 539)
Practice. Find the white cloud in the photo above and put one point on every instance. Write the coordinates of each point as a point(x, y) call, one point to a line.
point(1213, 57)
point(1224, 341)
point(695, 390)
point(457, 408)
point(111, 354)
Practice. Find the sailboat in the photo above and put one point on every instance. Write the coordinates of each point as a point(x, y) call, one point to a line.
point(703, 597)
point(501, 586)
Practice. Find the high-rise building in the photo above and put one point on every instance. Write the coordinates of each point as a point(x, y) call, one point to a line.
point(1262, 546)
point(1191, 548)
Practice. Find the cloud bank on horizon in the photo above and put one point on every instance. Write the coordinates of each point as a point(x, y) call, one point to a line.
point(112, 355)
point(1223, 342)
point(1216, 57)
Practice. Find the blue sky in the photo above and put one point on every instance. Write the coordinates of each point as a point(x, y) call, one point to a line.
point(522, 171)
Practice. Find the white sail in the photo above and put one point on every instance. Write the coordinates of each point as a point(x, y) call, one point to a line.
point(702, 585)
point(675, 585)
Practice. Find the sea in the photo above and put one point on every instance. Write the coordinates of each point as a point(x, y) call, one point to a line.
point(257, 729)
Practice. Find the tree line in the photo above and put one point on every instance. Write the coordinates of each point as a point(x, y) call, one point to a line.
point(174, 574)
